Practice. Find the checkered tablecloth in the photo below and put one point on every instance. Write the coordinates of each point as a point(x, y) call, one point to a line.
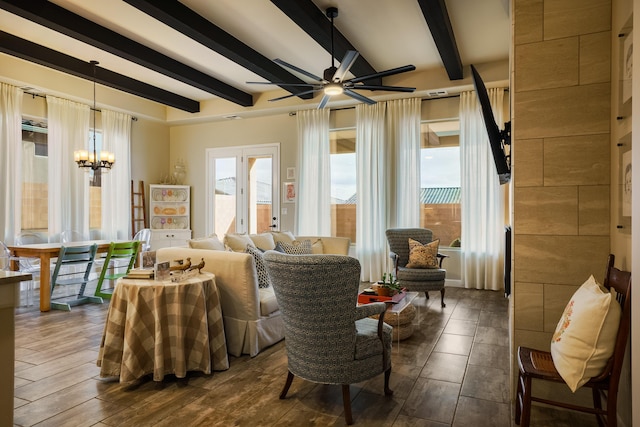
point(163, 328)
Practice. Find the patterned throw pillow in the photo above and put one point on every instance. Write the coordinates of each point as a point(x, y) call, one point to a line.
point(586, 334)
point(298, 247)
point(423, 255)
point(263, 276)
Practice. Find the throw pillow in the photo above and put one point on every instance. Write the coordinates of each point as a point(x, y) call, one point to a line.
point(423, 255)
point(317, 247)
point(263, 241)
point(212, 243)
point(283, 236)
point(237, 242)
point(298, 247)
point(586, 333)
point(261, 270)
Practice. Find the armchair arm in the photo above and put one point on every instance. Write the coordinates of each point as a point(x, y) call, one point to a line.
point(394, 258)
point(370, 309)
point(442, 257)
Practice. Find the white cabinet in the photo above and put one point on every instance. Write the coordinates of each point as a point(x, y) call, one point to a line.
point(169, 210)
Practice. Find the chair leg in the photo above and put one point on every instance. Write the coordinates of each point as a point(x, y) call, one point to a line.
point(525, 415)
point(442, 298)
point(346, 401)
point(387, 390)
point(519, 400)
point(426, 294)
point(287, 384)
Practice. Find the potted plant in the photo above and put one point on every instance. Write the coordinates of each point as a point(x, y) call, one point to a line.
point(388, 286)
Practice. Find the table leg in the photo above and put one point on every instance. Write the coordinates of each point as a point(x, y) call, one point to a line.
point(45, 282)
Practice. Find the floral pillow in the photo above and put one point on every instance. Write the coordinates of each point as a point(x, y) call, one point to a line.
point(261, 269)
point(423, 255)
point(298, 247)
point(586, 333)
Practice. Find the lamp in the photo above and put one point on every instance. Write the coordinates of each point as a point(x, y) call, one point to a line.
point(332, 89)
point(90, 160)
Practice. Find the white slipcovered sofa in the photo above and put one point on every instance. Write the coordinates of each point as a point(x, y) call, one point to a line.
point(252, 319)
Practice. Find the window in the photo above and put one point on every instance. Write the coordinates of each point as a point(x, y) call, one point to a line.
point(343, 183)
point(440, 181)
point(35, 188)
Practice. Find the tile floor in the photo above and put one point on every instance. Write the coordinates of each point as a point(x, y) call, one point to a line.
point(453, 371)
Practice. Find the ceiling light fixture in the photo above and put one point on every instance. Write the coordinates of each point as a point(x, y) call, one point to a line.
point(86, 159)
point(332, 89)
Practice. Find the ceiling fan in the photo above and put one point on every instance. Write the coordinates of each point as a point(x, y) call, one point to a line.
point(333, 81)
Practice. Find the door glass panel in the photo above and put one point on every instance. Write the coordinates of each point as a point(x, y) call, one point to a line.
point(259, 189)
point(225, 196)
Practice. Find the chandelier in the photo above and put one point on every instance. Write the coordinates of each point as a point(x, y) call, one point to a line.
point(85, 158)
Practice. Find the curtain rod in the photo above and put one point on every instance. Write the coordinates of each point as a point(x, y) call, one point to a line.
point(457, 95)
point(33, 95)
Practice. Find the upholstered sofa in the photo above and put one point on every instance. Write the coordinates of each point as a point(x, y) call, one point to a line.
point(252, 319)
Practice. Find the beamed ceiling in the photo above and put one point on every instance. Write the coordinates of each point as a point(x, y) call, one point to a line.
point(185, 53)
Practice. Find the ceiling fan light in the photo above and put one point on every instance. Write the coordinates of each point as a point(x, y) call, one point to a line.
point(332, 89)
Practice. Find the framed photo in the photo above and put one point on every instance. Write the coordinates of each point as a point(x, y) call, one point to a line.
point(291, 173)
point(289, 192)
point(162, 271)
point(625, 64)
point(624, 184)
point(147, 259)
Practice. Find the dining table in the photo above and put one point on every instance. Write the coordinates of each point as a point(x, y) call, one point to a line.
point(45, 252)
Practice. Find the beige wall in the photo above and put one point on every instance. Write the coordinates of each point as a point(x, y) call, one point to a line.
point(564, 163)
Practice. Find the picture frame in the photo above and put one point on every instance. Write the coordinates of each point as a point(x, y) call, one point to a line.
point(625, 62)
point(289, 192)
point(147, 259)
point(624, 184)
point(291, 173)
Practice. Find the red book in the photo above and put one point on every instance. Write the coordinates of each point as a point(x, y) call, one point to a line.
point(366, 299)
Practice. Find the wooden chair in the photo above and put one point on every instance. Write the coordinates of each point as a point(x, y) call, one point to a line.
point(539, 364)
point(119, 260)
point(66, 272)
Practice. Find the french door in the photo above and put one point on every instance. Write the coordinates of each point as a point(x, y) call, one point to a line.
point(243, 189)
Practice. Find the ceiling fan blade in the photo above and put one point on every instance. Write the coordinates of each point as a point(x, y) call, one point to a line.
point(284, 84)
point(294, 94)
point(297, 69)
point(323, 101)
point(390, 72)
point(359, 97)
point(389, 88)
point(347, 62)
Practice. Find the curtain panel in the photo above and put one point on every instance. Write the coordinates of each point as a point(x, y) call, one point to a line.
point(10, 160)
point(482, 198)
point(313, 201)
point(371, 185)
point(116, 184)
point(68, 124)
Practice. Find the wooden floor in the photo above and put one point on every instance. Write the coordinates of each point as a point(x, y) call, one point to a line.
point(454, 370)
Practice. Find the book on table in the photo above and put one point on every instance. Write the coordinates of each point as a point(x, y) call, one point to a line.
point(366, 298)
point(140, 273)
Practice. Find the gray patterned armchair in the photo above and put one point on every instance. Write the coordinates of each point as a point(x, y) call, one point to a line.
point(415, 279)
point(329, 339)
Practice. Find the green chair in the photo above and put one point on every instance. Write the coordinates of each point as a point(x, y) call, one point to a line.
point(73, 267)
point(119, 260)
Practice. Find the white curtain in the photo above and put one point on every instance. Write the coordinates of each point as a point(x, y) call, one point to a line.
point(313, 201)
point(403, 125)
point(371, 184)
point(482, 198)
point(68, 124)
point(10, 160)
point(116, 184)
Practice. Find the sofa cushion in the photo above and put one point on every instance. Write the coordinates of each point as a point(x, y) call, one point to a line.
point(423, 255)
point(268, 302)
point(261, 270)
point(212, 243)
point(283, 236)
point(263, 241)
point(586, 333)
point(298, 247)
point(238, 242)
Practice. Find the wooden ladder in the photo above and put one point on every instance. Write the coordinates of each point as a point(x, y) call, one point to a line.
point(138, 209)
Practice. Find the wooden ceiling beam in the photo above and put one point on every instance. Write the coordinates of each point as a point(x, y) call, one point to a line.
point(63, 21)
point(437, 17)
point(182, 19)
point(29, 51)
point(315, 23)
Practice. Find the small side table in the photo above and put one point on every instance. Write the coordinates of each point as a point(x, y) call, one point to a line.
point(162, 328)
point(400, 315)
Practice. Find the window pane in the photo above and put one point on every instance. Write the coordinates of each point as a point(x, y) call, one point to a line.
point(343, 183)
point(225, 196)
point(440, 181)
